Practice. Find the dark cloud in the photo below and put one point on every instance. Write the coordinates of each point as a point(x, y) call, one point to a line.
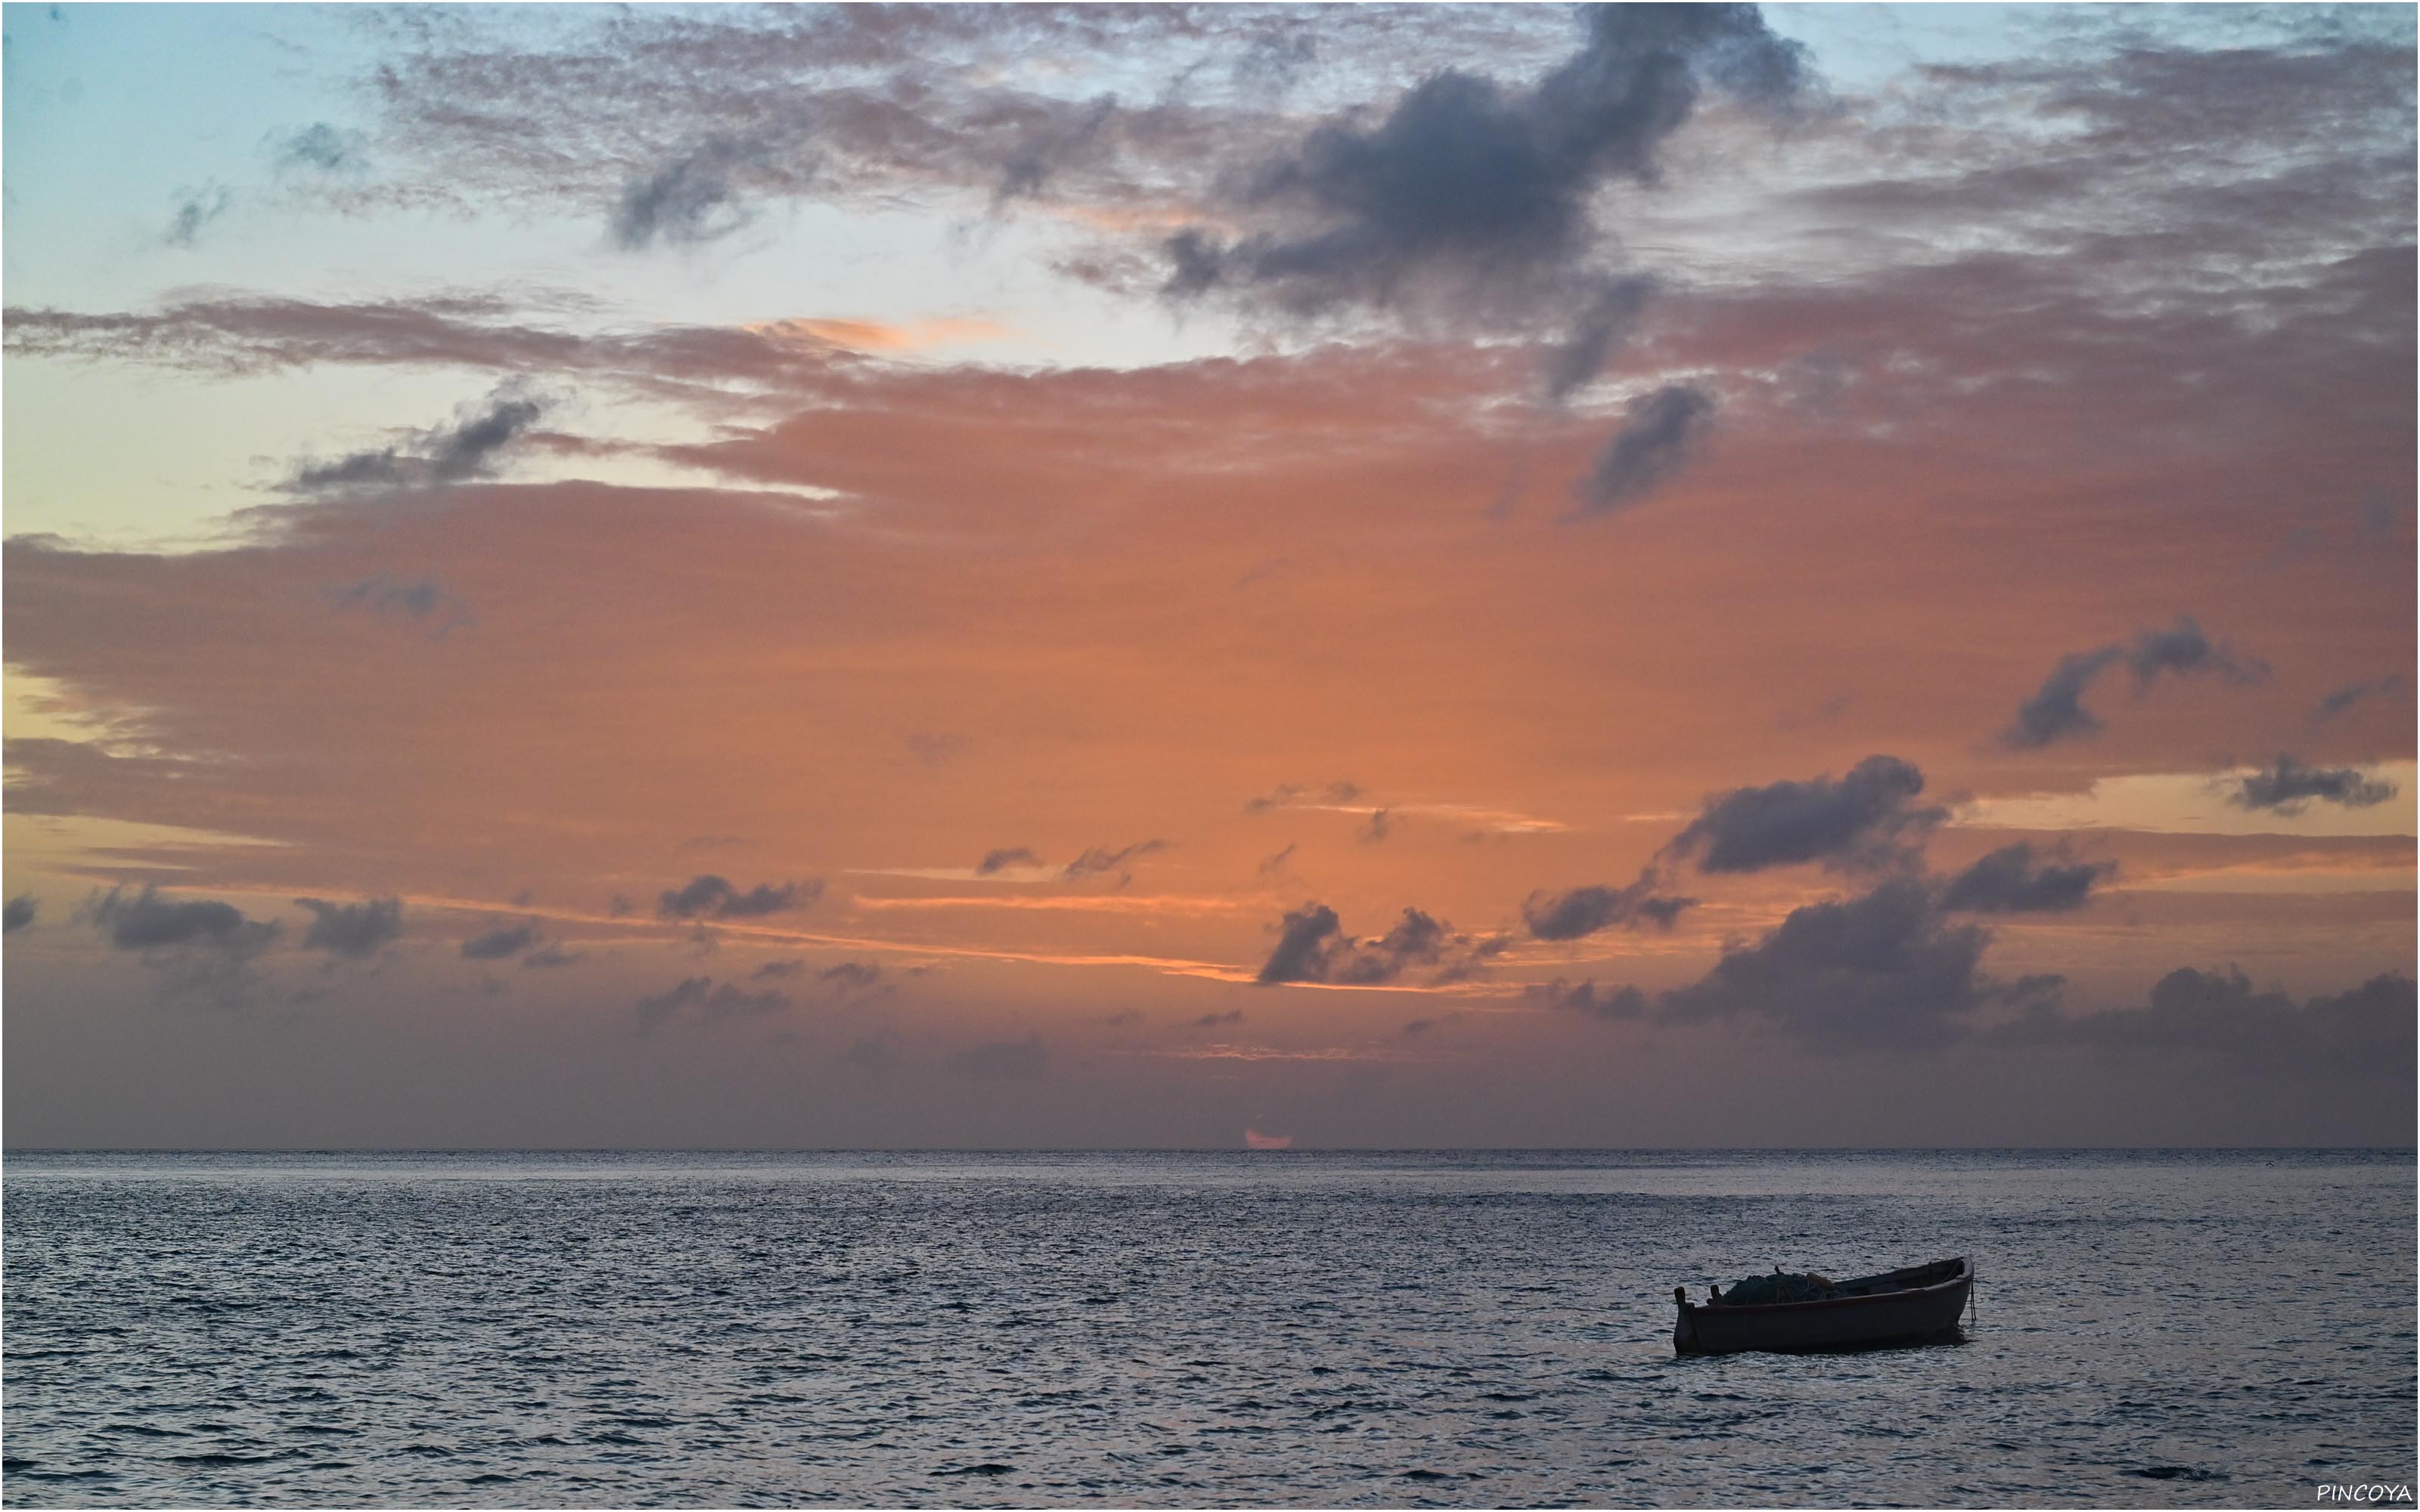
point(681, 125)
point(737, 1002)
point(1660, 432)
point(1602, 330)
point(660, 1008)
point(2013, 880)
point(352, 930)
point(2056, 712)
point(936, 749)
point(2381, 512)
point(1587, 997)
point(2367, 1031)
point(1863, 820)
point(149, 922)
point(1379, 826)
point(322, 149)
point(240, 333)
point(1415, 940)
point(1882, 971)
point(1304, 937)
point(690, 198)
point(1197, 262)
point(465, 450)
point(2233, 162)
point(2183, 649)
point(200, 948)
point(195, 208)
point(1271, 63)
point(852, 977)
point(449, 454)
point(2345, 698)
point(1866, 821)
point(1100, 860)
point(547, 958)
point(1821, 713)
point(1885, 971)
point(501, 942)
point(418, 598)
point(2308, 89)
point(2288, 787)
point(1211, 1021)
point(1004, 1061)
point(1583, 911)
point(777, 970)
point(19, 913)
point(1274, 865)
point(384, 467)
point(699, 1000)
point(1291, 794)
point(1058, 141)
point(1468, 189)
point(1468, 956)
point(1000, 860)
point(1312, 947)
point(711, 897)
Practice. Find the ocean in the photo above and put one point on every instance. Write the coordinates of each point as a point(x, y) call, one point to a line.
point(1461, 1329)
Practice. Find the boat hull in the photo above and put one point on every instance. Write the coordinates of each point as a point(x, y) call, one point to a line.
point(1913, 1315)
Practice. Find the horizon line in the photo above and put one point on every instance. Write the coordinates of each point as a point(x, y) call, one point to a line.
point(7, 1152)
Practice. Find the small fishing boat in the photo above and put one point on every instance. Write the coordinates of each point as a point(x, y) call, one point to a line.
point(1916, 1305)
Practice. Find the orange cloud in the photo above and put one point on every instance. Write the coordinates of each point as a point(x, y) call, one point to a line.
point(883, 336)
point(1074, 608)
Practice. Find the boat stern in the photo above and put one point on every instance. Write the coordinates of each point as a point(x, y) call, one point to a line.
point(1684, 1331)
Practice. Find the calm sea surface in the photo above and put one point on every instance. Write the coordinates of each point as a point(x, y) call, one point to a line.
point(1189, 1330)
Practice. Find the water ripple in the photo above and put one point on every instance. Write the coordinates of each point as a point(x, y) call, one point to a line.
point(1185, 1329)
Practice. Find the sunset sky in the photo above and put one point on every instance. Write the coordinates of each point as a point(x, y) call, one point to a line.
point(1020, 576)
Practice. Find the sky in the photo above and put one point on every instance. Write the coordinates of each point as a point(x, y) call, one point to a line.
point(1172, 576)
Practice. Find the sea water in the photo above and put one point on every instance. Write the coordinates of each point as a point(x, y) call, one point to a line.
point(1188, 1330)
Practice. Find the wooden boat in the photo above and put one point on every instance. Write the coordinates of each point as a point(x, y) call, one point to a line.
point(1916, 1305)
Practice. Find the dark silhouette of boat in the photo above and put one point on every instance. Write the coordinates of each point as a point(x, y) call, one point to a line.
point(1914, 1305)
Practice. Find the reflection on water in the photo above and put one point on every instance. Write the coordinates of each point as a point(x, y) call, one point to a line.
point(1187, 1330)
